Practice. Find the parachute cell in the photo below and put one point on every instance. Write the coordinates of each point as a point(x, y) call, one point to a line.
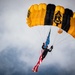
point(58, 16)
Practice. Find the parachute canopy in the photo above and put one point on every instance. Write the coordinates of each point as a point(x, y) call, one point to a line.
point(49, 14)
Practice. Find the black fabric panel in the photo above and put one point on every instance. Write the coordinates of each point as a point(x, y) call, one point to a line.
point(66, 19)
point(28, 14)
point(49, 14)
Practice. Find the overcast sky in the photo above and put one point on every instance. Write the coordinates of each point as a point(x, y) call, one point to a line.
point(20, 46)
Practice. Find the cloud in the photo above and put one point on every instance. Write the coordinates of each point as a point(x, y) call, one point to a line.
point(20, 45)
point(10, 64)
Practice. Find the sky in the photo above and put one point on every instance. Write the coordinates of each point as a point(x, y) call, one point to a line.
point(20, 45)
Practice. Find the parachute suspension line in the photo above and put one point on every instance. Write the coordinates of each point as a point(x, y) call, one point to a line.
point(55, 38)
point(41, 38)
point(62, 40)
point(48, 37)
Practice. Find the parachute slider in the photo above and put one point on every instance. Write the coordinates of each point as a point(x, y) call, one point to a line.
point(60, 31)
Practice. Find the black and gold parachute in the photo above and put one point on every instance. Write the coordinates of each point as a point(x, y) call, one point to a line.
point(50, 14)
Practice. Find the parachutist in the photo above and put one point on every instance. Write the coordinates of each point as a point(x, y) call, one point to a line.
point(42, 56)
point(46, 50)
